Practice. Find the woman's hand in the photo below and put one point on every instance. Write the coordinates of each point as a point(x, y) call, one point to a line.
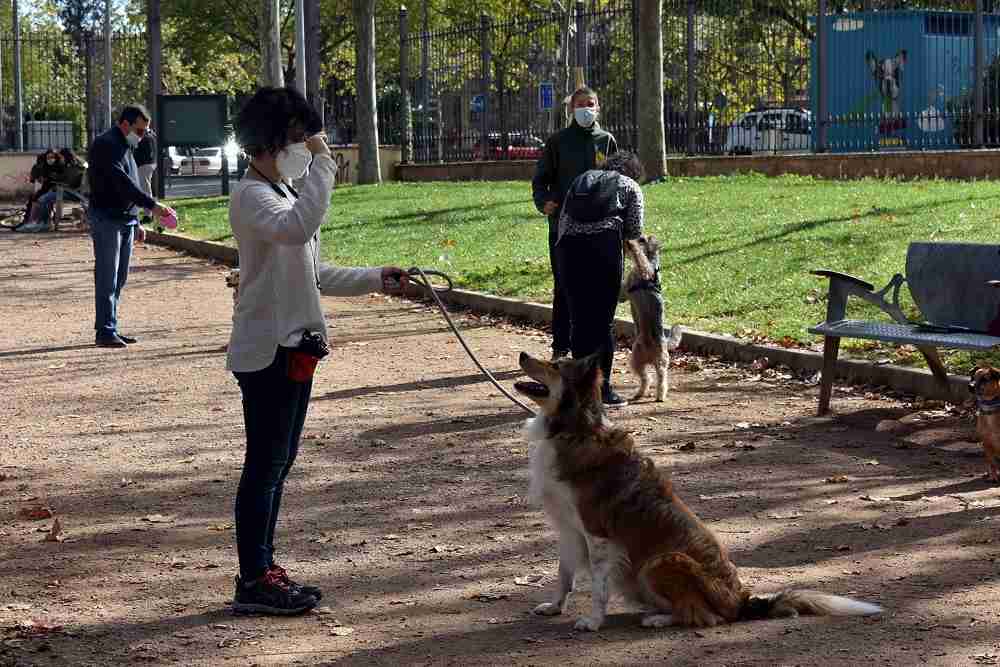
point(317, 144)
point(395, 280)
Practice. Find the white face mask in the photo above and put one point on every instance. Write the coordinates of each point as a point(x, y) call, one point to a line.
point(133, 139)
point(585, 116)
point(293, 161)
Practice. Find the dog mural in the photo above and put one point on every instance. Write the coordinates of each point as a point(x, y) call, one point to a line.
point(888, 75)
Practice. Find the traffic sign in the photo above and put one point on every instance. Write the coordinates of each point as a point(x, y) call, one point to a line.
point(546, 96)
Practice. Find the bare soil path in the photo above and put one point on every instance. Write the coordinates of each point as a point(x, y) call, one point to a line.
point(408, 502)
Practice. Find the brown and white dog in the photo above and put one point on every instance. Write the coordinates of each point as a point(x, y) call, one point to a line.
point(618, 516)
point(645, 298)
point(985, 386)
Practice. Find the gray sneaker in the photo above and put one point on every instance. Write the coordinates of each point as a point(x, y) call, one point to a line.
point(270, 595)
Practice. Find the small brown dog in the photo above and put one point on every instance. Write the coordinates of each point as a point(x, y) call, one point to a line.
point(651, 346)
point(985, 386)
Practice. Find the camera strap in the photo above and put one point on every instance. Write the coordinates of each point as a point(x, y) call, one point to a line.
point(281, 193)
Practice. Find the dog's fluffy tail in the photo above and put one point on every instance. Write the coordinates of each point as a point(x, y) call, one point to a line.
point(792, 603)
point(674, 339)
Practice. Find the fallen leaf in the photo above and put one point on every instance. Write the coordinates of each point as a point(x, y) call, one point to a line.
point(159, 518)
point(34, 513)
point(55, 533)
point(37, 627)
point(230, 642)
point(342, 631)
point(489, 597)
point(221, 526)
point(323, 611)
point(837, 479)
point(391, 536)
point(741, 425)
point(529, 580)
point(686, 447)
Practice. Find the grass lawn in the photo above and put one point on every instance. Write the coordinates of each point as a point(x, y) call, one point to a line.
point(738, 249)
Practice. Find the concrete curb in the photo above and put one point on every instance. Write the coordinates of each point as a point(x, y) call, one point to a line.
point(910, 380)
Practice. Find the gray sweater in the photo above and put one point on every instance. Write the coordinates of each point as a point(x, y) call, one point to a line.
point(280, 268)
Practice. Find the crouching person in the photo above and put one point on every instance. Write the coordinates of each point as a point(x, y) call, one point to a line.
point(279, 333)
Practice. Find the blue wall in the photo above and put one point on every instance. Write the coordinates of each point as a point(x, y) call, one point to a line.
point(938, 69)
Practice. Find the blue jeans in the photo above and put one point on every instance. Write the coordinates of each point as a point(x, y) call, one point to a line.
point(113, 239)
point(274, 410)
point(47, 201)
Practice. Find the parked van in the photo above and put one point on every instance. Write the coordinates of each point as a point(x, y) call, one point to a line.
point(770, 131)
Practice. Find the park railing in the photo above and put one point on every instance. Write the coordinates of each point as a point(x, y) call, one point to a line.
point(740, 76)
point(52, 86)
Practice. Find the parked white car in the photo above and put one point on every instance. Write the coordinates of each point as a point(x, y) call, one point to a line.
point(176, 160)
point(208, 161)
point(770, 131)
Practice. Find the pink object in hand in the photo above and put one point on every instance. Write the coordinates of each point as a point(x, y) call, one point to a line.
point(169, 221)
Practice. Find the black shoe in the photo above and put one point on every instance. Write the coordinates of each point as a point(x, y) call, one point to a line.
point(128, 339)
point(559, 354)
point(114, 340)
point(302, 588)
point(269, 595)
point(612, 399)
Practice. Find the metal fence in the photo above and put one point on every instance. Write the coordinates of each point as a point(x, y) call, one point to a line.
point(62, 86)
point(740, 77)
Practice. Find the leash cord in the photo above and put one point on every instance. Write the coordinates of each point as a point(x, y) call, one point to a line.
point(419, 276)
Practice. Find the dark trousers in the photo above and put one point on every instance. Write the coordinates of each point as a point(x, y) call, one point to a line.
point(560, 305)
point(591, 267)
point(274, 410)
point(113, 242)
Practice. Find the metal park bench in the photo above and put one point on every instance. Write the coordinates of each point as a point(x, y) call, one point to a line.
point(953, 285)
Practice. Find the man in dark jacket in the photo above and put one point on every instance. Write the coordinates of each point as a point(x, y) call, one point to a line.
point(115, 199)
point(581, 146)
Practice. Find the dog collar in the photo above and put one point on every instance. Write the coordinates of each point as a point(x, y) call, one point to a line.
point(988, 407)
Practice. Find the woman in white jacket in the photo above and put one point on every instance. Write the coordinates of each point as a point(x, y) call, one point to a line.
point(279, 333)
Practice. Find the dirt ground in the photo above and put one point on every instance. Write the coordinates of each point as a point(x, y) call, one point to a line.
point(408, 503)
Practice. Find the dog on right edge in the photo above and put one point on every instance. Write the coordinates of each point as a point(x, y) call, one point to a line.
point(985, 386)
point(651, 347)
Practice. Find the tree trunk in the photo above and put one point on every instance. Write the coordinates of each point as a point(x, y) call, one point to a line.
point(649, 71)
point(369, 170)
point(155, 55)
point(271, 73)
point(313, 41)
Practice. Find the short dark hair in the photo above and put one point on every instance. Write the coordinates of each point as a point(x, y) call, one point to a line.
point(626, 163)
point(582, 91)
point(134, 111)
point(263, 123)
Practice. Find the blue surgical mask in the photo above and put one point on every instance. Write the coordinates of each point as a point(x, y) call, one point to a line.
point(585, 116)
